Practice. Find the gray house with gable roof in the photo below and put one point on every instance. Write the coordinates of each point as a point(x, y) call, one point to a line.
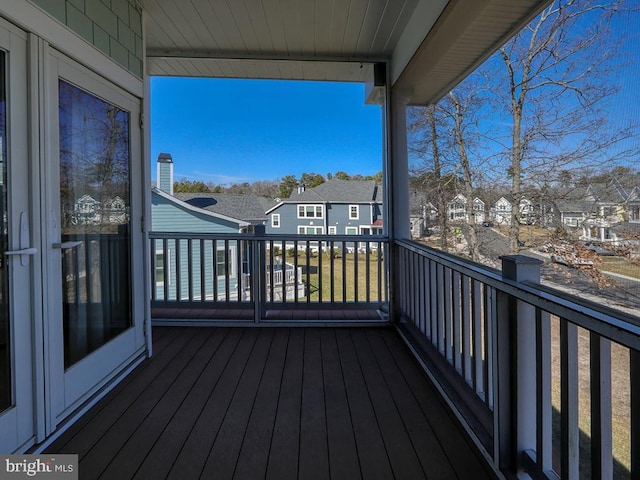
point(336, 207)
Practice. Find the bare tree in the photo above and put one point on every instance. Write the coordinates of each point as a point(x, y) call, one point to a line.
point(555, 78)
point(425, 124)
point(458, 113)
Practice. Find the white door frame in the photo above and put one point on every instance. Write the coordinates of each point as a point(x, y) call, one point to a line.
point(69, 389)
point(20, 423)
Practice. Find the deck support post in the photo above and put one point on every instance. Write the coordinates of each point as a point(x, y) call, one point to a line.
point(516, 366)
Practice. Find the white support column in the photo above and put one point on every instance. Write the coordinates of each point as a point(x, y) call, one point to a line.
point(520, 268)
point(399, 170)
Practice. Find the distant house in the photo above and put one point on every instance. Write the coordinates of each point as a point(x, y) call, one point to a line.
point(502, 211)
point(336, 207)
point(457, 210)
point(633, 203)
point(170, 214)
point(423, 214)
point(608, 207)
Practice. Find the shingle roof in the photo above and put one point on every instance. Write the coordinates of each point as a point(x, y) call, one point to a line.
point(337, 191)
point(611, 192)
point(245, 207)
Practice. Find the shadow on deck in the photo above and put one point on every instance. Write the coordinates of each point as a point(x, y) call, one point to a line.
point(279, 403)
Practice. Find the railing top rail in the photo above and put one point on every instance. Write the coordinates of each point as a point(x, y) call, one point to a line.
point(614, 324)
point(267, 237)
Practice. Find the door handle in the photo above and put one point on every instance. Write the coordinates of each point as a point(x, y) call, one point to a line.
point(24, 250)
point(66, 245)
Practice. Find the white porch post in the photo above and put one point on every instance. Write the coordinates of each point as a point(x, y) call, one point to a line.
point(399, 170)
point(520, 268)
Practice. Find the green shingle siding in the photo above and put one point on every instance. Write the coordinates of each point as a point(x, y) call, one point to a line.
point(126, 36)
point(101, 39)
point(112, 26)
point(79, 23)
point(79, 4)
point(121, 9)
point(102, 16)
point(119, 53)
point(56, 9)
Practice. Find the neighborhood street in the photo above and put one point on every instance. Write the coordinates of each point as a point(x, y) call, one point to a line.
point(623, 292)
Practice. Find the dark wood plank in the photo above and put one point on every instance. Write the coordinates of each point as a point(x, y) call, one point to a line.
point(254, 454)
point(96, 459)
point(432, 457)
point(161, 458)
point(374, 461)
point(223, 456)
point(195, 450)
point(137, 447)
point(461, 454)
point(283, 454)
point(102, 417)
point(314, 454)
point(402, 455)
point(343, 453)
point(282, 403)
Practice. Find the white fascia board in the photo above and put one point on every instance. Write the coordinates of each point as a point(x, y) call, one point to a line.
point(187, 206)
point(424, 16)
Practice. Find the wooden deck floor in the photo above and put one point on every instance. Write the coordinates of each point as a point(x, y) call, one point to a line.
point(272, 403)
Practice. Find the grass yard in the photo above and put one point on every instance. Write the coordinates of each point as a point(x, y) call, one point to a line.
point(344, 278)
point(621, 266)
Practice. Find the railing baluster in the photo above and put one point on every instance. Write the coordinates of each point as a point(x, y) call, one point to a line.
point(203, 292)
point(214, 264)
point(441, 301)
point(178, 261)
point(345, 251)
point(356, 280)
point(569, 468)
point(165, 269)
point(601, 426)
point(457, 364)
point(433, 295)
point(466, 330)
point(367, 272)
point(448, 317)
point(190, 269)
point(478, 321)
point(543, 391)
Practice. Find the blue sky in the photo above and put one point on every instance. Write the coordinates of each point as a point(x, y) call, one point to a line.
point(233, 131)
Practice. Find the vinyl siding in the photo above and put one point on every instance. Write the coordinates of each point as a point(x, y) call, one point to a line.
point(167, 216)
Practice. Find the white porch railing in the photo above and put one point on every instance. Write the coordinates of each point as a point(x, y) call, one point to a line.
point(546, 383)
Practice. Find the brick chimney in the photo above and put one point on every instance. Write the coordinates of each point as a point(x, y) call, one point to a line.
point(165, 173)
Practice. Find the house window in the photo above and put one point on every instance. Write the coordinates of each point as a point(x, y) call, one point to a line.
point(351, 230)
point(225, 265)
point(332, 230)
point(275, 220)
point(307, 230)
point(159, 267)
point(354, 212)
point(310, 211)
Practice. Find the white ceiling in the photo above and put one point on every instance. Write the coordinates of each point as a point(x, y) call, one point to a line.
point(329, 39)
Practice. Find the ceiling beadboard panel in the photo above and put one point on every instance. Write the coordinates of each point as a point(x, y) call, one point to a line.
point(277, 28)
point(430, 45)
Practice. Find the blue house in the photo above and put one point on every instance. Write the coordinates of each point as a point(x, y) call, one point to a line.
point(195, 213)
point(336, 207)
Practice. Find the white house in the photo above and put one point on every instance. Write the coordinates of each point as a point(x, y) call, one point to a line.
point(457, 210)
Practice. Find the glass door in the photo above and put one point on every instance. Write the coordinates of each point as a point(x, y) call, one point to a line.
point(92, 237)
point(17, 406)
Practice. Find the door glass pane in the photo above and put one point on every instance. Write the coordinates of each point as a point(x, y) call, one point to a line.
point(95, 203)
point(5, 343)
